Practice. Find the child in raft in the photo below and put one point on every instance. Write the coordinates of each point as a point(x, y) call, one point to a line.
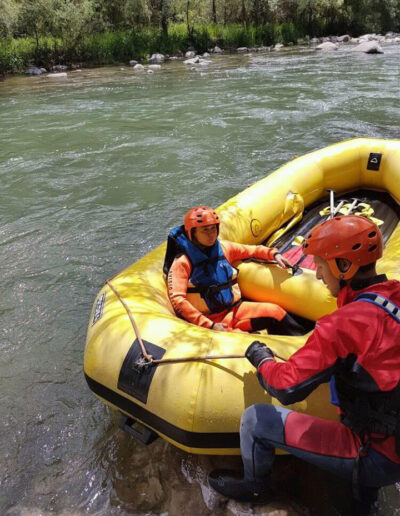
point(202, 283)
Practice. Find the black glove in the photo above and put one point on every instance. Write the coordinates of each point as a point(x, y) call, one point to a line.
point(257, 353)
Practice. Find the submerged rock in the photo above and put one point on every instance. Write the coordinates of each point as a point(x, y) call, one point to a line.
point(327, 46)
point(156, 59)
point(34, 70)
point(192, 61)
point(57, 75)
point(369, 47)
point(60, 68)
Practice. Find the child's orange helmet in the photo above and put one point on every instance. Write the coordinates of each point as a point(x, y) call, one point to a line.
point(200, 216)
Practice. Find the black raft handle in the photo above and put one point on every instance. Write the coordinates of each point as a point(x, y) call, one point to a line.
point(140, 432)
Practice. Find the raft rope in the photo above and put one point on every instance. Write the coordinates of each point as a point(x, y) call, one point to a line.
point(149, 358)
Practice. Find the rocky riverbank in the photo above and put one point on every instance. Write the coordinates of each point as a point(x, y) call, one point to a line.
point(367, 43)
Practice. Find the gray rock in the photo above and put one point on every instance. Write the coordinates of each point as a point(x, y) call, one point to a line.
point(133, 62)
point(138, 68)
point(278, 46)
point(253, 49)
point(154, 67)
point(150, 71)
point(343, 39)
point(328, 46)
point(206, 54)
point(369, 47)
point(34, 70)
point(60, 68)
point(192, 61)
point(314, 41)
point(43, 70)
point(368, 37)
point(190, 54)
point(156, 59)
point(242, 50)
point(217, 50)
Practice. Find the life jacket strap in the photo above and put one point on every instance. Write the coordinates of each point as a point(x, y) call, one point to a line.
point(382, 302)
point(212, 288)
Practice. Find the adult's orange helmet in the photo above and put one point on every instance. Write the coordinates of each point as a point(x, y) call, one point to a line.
point(200, 216)
point(354, 238)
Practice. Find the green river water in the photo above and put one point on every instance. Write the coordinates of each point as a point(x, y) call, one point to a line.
point(95, 169)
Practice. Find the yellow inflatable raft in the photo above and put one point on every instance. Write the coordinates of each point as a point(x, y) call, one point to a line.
point(197, 405)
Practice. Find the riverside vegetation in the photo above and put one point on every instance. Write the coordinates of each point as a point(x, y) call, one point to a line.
point(96, 32)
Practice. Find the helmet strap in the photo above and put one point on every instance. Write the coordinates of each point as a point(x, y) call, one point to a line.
point(342, 275)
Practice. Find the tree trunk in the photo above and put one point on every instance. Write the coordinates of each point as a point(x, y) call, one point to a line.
point(244, 13)
point(164, 17)
point(214, 12)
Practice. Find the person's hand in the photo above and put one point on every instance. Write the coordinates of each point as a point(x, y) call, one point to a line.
point(219, 326)
point(258, 353)
point(282, 261)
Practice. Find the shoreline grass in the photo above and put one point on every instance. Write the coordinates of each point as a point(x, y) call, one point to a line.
point(17, 54)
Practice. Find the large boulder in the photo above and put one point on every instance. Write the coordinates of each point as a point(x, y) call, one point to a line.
point(217, 50)
point(369, 47)
point(190, 54)
point(327, 46)
point(156, 59)
point(34, 70)
point(343, 39)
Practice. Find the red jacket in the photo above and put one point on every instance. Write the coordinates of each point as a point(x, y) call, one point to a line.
point(357, 329)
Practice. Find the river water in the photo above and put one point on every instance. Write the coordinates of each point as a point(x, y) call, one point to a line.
point(95, 169)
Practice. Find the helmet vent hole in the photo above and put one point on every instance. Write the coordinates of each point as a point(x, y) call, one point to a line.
point(372, 248)
point(372, 234)
point(356, 246)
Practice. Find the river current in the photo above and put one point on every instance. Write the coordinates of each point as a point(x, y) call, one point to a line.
point(95, 169)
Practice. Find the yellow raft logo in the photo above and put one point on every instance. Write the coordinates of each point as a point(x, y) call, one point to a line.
point(255, 227)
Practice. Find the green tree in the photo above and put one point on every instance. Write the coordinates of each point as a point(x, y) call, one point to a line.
point(8, 17)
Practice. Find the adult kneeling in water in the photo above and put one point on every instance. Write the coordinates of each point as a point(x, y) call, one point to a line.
point(202, 284)
point(358, 346)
